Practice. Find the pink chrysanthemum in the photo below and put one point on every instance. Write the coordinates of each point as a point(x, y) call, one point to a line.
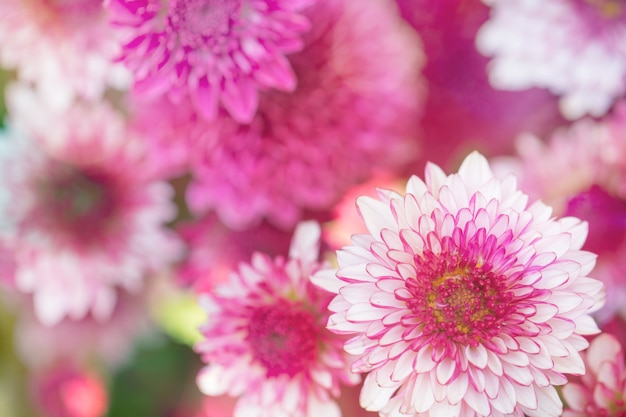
point(214, 51)
point(601, 392)
point(574, 48)
point(266, 339)
point(580, 171)
point(83, 218)
point(462, 299)
point(356, 109)
point(64, 47)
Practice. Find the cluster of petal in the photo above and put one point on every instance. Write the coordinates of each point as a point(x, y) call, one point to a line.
point(574, 48)
point(65, 48)
point(83, 218)
point(212, 51)
point(579, 171)
point(463, 300)
point(602, 389)
point(355, 109)
point(266, 339)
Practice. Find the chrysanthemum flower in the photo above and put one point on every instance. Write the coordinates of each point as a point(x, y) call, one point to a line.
point(574, 48)
point(602, 390)
point(84, 217)
point(65, 48)
point(266, 339)
point(463, 300)
point(580, 171)
point(356, 108)
point(215, 51)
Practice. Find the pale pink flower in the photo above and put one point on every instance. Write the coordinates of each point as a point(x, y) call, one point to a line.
point(601, 391)
point(463, 300)
point(580, 171)
point(89, 339)
point(356, 109)
point(64, 47)
point(83, 217)
point(214, 51)
point(266, 339)
point(574, 48)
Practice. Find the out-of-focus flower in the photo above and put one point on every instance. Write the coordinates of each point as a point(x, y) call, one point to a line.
point(580, 171)
point(214, 250)
point(64, 47)
point(212, 51)
point(356, 108)
point(574, 48)
point(266, 339)
point(83, 217)
point(68, 391)
point(110, 341)
point(463, 299)
point(600, 392)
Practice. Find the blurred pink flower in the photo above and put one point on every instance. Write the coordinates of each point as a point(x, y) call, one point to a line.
point(68, 391)
point(213, 51)
point(581, 171)
point(64, 47)
point(574, 48)
point(83, 217)
point(601, 391)
point(356, 109)
point(81, 341)
point(266, 341)
point(214, 250)
point(463, 300)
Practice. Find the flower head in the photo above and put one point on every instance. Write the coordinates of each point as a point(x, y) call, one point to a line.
point(355, 109)
point(266, 339)
point(574, 48)
point(84, 217)
point(64, 47)
point(463, 300)
point(214, 51)
point(602, 390)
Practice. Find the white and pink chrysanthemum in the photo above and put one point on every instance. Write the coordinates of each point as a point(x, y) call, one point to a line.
point(65, 48)
point(356, 109)
point(83, 218)
point(266, 339)
point(574, 48)
point(463, 299)
point(580, 171)
point(213, 51)
point(602, 390)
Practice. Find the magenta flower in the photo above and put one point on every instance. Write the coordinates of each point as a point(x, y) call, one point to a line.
point(83, 218)
point(64, 48)
point(266, 339)
point(462, 299)
point(356, 110)
point(602, 390)
point(574, 48)
point(214, 51)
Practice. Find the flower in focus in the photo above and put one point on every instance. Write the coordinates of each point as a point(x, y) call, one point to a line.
point(64, 47)
point(601, 391)
point(83, 217)
point(356, 109)
point(463, 300)
point(266, 339)
point(581, 172)
point(574, 48)
point(213, 51)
